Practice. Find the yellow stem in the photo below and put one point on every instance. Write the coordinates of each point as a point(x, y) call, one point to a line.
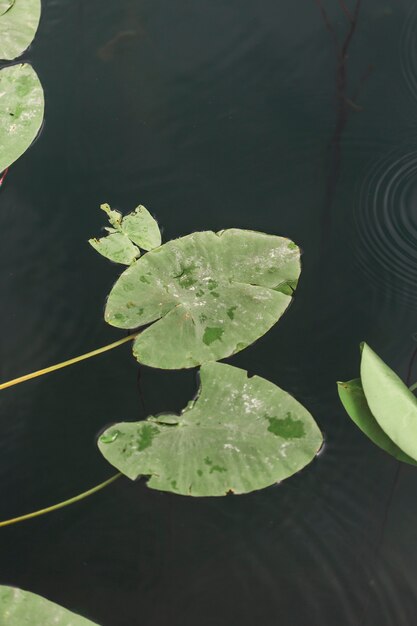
point(58, 366)
point(60, 505)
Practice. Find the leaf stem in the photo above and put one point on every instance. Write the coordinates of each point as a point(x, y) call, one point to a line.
point(60, 505)
point(413, 387)
point(77, 359)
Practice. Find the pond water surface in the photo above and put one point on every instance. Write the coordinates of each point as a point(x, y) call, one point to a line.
point(213, 114)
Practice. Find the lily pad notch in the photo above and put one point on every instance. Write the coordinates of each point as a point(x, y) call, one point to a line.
point(239, 435)
point(204, 296)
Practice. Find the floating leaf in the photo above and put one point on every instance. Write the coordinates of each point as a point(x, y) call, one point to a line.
point(142, 228)
point(353, 399)
point(390, 401)
point(210, 295)
point(22, 608)
point(138, 227)
point(21, 111)
point(240, 434)
point(19, 22)
point(116, 247)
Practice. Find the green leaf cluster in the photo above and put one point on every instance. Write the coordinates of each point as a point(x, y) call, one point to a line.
point(21, 94)
point(202, 298)
point(383, 407)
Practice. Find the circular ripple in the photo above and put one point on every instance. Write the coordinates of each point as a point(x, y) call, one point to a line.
point(386, 226)
point(408, 51)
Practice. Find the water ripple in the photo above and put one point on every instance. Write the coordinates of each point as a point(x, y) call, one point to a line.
point(386, 225)
point(408, 51)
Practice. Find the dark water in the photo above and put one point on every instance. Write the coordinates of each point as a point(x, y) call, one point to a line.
point(213, 113)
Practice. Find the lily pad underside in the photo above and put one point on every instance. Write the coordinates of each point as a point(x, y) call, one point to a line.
point(22, 608)
point(206, 295)
point(383, 407)
point(19, 21)
point(21, 111)
point(239, 435)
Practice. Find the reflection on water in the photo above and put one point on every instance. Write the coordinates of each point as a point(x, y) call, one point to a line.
point(212, 114)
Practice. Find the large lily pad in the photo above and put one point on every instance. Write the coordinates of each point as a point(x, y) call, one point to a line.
point(19, 20)
point(209, 295)
point(21, 111)
point(353, 399)
point(240, 434)
point(390, 401)
point(22, 608)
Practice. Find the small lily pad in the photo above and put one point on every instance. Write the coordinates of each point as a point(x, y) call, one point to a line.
point(209, 295)
point(116, 247)
point(239, 435)
point(19, 20)
point(392, 404)
point(22, 608)
point(142, 228)
point(353, 399)
point(21, 111)
point(138, 227)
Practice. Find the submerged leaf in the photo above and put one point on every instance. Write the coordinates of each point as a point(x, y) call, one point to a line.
point(21, 111)
point(353, 399)
point(391, 402)
point(21, 608)
point(116, 247)
point(239, 435)
point(19, 20)
point(142, 228)
point(210, 295)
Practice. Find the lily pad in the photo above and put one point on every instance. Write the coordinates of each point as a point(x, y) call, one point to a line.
point(19, 21)
point(138, 227)
point(392, 404)
point(209, 295)
point(353, 399)
point(21, 111)
point(116, 247)
point(239, 435)
point(21, 608)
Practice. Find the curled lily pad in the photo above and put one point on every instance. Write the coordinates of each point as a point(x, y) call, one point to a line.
point(138, 227)
point(209, 295)
point(353, 399)
point(19, 20)
point(390, 401)
point(239, 435)
point(21, 608)
point(21, 111)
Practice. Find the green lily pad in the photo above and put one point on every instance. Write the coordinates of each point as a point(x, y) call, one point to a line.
point(391, 402)
point(19, 22)
point(21, 111)
point(209, 295)
point(142, 228)
point(138, 227)
point(116, 247)
point(353, 399)
point(239, 435)
point(22, 608)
